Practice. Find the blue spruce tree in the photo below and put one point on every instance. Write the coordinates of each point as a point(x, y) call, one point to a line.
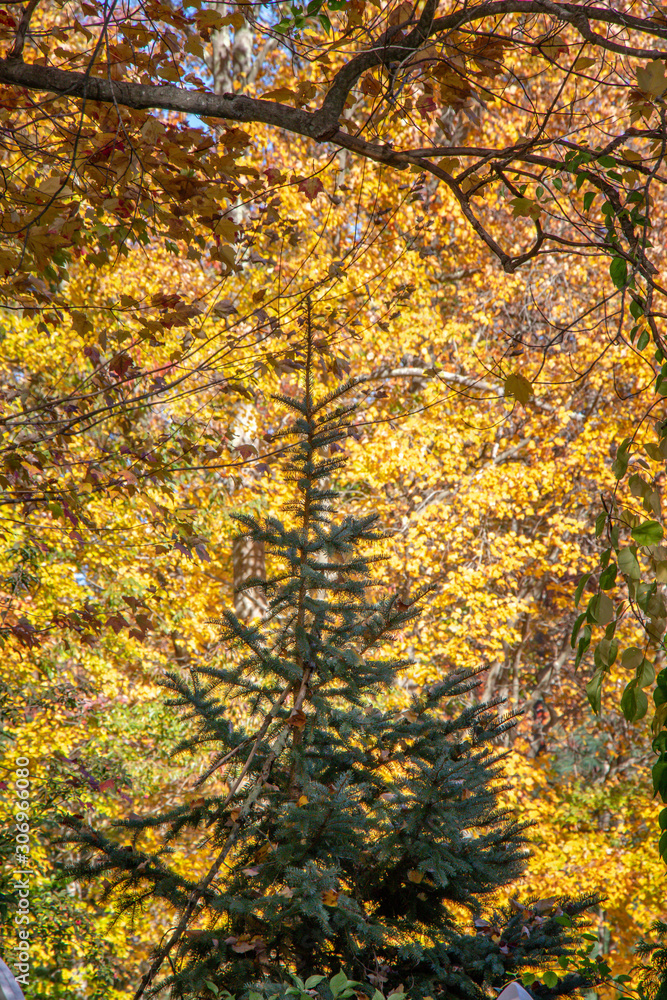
point(348, 836)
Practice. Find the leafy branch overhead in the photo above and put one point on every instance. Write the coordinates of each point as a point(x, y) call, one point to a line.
point(390, 84)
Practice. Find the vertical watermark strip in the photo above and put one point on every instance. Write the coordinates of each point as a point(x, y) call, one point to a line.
point(23, 870)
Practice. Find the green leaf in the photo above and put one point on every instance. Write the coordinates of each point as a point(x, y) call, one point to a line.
point(627, 561)
point(313, 981)
point(662, 846)
point(601, 609)
point(648, 533)
point(638, 485)
point(659, 697)
point(577, 625)
point(594, 690)
point(645, 594)
point(338, 983)
point(580, 588)
point(636, 308)
point(659, 775)
point(550, 979)
point(608, 577)
point(634, 703)
point(620, 464)
point(642, 706)
point(584, 643)
point(643, 340)
point(600, 522)
point(589, 198)
point(632, 657)
point(606, 652)
point(645, 673)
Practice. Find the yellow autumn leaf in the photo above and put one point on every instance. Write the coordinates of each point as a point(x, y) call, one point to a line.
point(519, 387)
point(651, 78)
point(280, 94)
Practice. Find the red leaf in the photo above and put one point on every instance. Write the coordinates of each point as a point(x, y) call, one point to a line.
point(121, 364)
point(247, 450)
point(117, 622)
point(275, 176)
point(311, 187)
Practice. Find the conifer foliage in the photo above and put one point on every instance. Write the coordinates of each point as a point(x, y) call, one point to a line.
point(346, 835)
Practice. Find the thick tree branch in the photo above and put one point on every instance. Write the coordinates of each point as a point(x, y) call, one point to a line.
point(233, 107)
point(321, 124)
point(16, 51)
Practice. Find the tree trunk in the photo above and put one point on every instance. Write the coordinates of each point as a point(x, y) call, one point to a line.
point(248, 560)
point(231, 55)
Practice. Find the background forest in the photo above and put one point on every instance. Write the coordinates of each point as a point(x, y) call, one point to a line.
point(504, 327)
